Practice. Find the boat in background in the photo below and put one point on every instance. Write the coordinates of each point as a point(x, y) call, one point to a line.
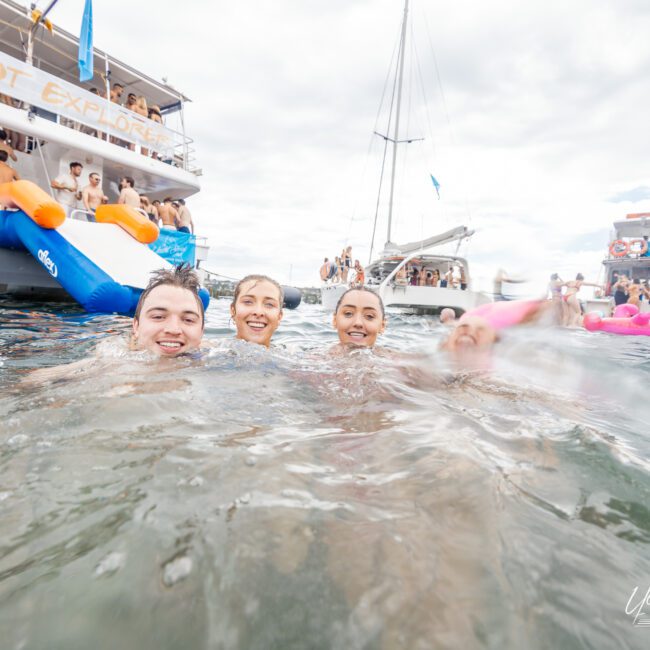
point(627, 255)
point(54, 120)
point(392, 274)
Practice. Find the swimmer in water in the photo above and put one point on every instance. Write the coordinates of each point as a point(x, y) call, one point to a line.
point(169, 319)
point(256, 309)
point(476, 331)
point(447, 316)
point(359, 317)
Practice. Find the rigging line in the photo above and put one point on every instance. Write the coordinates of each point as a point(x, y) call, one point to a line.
point(371, 140)
point(383, 160)
point(444, 105)
point(426, 102)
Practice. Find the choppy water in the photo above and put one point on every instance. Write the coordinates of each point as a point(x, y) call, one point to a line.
point(293, 499)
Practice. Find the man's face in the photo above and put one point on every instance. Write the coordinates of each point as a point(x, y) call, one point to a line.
point(76, 170)
point(123, 183)
point(170, 322)
point(130, 98)
point(94, 179)
point(118, 90)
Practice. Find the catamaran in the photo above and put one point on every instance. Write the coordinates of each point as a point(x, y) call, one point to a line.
point(52, 119)
point(408, 276)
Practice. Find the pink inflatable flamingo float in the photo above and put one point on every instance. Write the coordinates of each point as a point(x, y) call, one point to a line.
point(626, 320)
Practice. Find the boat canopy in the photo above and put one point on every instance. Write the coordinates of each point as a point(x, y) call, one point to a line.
point(636, 227)
point(57, 53)
point(455, 234)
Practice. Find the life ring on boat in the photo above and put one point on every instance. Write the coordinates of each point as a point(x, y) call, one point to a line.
point(619, 248)
point(643, 246)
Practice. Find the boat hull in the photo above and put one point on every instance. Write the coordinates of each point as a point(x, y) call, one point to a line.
point(412, 299)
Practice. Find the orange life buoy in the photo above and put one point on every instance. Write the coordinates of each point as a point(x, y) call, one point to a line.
point(643, 248)
point(619, 248)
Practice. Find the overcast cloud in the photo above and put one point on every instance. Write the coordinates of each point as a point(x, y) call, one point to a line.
point(539, 138)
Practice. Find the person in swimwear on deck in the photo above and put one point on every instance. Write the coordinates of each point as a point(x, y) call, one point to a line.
point(574, 313)
point(256, 309)
point(359, 317)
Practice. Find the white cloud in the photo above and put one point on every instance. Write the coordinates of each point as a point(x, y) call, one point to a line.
point(546, 102)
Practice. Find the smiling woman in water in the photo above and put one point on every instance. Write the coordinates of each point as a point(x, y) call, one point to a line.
point(256, 309)
point(359, 317)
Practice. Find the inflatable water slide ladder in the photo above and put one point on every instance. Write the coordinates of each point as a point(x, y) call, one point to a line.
point(104, 266)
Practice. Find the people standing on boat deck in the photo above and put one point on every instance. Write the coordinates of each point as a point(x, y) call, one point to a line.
point(155, 116)
point(149, 208)
point(116, 93)
point(647, 247)
point(128, 195)
point(7, 173)
point(400, 277)
point(256, 309)
point(185, 223)
point(66, 188)
point(574, 310)
point(359, 317)
point(448, 279)
point(463, 278)
point(635, 292)
point(92, 196)
point(415, 278)
point(325, 269)
point(167, 214)
point(346, 258)
point(5, 146)
point(360, 276)
point(620, 289)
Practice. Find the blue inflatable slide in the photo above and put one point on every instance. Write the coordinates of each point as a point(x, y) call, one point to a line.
point(101, 265)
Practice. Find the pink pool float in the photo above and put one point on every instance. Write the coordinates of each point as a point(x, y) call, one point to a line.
point(626, 320)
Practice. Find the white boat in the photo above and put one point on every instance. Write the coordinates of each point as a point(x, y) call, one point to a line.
point(627, 254)
point(57, 120)
point(391, 275)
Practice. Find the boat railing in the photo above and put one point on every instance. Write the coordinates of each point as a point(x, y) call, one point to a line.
point(86, 213)
point(173, 147)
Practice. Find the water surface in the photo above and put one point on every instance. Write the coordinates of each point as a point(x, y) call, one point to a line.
point(290, 498)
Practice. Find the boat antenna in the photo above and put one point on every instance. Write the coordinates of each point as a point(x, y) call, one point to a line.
point(397, 112)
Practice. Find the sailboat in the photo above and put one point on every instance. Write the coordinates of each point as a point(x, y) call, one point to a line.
point(408, 276)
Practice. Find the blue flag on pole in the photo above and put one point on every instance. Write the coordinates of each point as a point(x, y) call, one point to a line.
point(436, 185)
point(86, 71)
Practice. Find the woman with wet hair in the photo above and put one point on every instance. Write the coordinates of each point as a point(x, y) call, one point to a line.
point(359, 317)
point(256, 309)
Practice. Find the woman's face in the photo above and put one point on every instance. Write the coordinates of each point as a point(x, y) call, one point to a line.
point(257, 312)
point(359, 320)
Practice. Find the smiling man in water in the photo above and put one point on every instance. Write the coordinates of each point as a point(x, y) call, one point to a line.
point(169, 319)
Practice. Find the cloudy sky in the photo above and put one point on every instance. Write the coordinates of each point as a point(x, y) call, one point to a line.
point(535, 122)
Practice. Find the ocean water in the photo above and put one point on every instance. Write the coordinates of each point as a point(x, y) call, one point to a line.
point(294, 498)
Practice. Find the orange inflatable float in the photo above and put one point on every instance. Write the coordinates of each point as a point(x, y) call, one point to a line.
point(129, 219)
point(34, 202)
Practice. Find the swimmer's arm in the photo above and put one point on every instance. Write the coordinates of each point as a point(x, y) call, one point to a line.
point(56, 373)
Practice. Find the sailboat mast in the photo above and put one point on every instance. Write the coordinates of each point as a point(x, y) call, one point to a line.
point(397, 112)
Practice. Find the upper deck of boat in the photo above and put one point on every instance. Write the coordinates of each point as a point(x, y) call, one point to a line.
point(62, 123)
